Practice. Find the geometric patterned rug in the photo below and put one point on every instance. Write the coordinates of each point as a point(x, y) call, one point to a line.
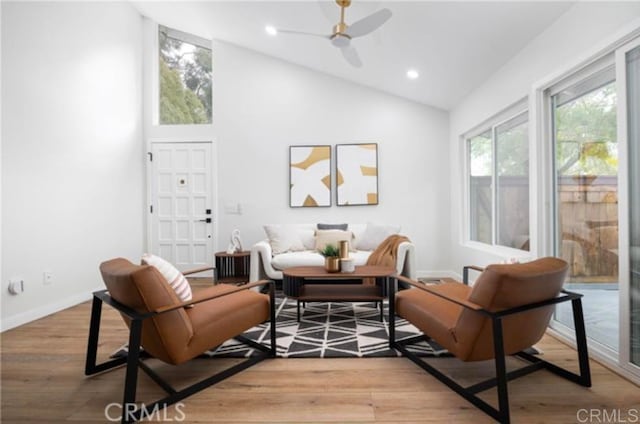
point(330, 330)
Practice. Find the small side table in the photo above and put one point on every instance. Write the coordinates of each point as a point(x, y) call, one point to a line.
point(232, 268)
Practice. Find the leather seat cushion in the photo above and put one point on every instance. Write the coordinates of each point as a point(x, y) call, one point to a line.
point(218, 320)
point(433, 315)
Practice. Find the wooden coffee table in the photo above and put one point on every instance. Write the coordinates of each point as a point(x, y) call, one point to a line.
point(315, 284)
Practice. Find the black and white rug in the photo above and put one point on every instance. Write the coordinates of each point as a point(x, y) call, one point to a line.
point(330, 330)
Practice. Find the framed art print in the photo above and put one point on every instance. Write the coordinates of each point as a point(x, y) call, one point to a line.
point(309, 176)
point(357, 174)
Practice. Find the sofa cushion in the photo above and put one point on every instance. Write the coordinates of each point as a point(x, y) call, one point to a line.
point(375, 234)
point(311, 258)
point(307, 234)
point(284, 238)
point(357, 230)
point(334, 237)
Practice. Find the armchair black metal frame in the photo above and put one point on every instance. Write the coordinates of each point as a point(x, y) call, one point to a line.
point(501, 414)
point(130, 411)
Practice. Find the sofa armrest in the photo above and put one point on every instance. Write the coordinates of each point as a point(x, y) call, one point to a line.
point(261, 268)
point(406, 259)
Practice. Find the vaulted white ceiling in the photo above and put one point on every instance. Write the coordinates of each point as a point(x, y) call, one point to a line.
point(455, 46)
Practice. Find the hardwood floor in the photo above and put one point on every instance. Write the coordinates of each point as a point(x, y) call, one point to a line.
point(43, 381)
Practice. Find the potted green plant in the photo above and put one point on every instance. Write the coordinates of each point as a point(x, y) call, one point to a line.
point(331, 255)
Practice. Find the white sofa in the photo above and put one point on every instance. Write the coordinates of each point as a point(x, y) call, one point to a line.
point(267, 265)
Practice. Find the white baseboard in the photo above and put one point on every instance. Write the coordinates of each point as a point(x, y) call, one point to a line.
point(37, 313)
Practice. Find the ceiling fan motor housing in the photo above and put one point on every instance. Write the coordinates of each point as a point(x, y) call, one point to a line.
point(340, 40)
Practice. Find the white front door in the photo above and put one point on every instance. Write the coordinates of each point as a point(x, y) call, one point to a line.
point(181, 203)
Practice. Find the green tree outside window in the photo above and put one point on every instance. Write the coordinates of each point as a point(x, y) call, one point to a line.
point(185, 81)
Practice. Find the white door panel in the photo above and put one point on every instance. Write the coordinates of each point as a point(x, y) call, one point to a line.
point(181, 195)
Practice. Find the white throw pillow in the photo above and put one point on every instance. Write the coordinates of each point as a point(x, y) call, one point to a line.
point(375, 234)
point(176, 280)
point(283, 238)
point(324, 237)
point(308, 237)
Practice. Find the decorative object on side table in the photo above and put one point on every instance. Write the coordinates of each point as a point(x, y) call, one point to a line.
point(235, 244)
point(331, 258)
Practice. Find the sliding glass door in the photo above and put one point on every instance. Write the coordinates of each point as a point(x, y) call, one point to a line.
point(628, 62)
point(633, 116)
point(595, 134)
point(586, 198)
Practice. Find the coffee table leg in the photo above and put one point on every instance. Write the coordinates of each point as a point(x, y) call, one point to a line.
point(384, 292)
point(298, 304)
point(392, 311)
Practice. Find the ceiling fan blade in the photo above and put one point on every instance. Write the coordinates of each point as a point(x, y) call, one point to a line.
point(351, 55)
point(290, 31)
point(369, 24)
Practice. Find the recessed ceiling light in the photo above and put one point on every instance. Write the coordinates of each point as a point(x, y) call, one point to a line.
point(271, 30)
point(412, 74)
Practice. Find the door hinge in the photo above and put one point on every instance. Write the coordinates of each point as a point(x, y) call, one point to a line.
point(150, 156)
point(151, 209)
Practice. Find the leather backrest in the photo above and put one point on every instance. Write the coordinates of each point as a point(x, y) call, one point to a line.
point(143, 289)
point(502, 287)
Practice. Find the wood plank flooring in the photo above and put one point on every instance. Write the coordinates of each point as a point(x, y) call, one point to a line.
point(43, 381)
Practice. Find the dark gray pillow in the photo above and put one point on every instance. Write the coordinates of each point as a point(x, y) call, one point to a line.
point(342, 227)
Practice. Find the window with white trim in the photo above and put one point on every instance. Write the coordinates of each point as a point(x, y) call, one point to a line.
point(498, 181)
point(185, 75)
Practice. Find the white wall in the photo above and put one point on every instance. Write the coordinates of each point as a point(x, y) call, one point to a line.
point(263, 105)
point(563, 45)
point(72, 151)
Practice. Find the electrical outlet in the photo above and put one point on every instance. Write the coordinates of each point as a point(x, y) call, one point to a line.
point(47, 278)
point(16, 285)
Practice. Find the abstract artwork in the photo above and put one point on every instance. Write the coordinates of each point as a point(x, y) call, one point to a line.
point(309, 176)
point(357, 174)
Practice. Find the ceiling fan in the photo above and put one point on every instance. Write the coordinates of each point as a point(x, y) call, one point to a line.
point(342, 34)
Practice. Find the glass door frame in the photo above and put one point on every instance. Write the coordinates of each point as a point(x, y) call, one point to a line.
point(552, 245)
point(623, 209)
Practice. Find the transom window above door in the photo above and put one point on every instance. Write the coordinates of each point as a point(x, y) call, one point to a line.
point(185, 76)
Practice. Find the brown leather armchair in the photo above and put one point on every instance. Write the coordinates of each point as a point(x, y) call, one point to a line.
point(505, 312)
point(172, 331)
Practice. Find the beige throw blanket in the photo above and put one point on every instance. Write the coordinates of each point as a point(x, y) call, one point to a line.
point(385, 254)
